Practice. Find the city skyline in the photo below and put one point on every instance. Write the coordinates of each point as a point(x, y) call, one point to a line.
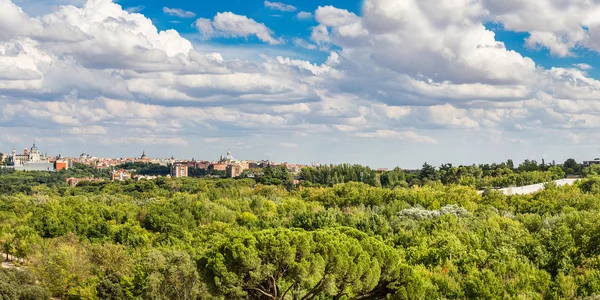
point(229, 156)
point(367, 82)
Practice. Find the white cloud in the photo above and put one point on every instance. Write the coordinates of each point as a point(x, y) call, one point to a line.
point(211, 140)
point(280, 6)
point(177, 142)
point(583, 66)
point(345, 128)
point(177, 12)
point(231, 25)
point(558, 45)
point(87, 131)
point(401, 135)
point(304, 44)
point(303, 15)
point(450, 116)
point(288, 145)
point(399, 74)
point(135, 9)
point(205, 27)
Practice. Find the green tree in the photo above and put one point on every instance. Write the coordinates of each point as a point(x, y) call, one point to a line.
point(168, 275)
point(571, 167)
point(428, 172)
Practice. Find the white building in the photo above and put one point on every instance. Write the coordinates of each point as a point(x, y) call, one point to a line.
point(31, 160)
point(596, 161)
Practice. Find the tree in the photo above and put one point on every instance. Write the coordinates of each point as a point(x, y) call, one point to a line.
point(510, 164)
point(168, 275)
point(275, 263)
point(63, 267)
point(7, 241)
point(529, 166)
point(592, 170)
point(20, 284)
point(428, 172)
point(557, 172)
point(571, 167)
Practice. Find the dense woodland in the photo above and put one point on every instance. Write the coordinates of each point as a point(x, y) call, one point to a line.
point(365, 235)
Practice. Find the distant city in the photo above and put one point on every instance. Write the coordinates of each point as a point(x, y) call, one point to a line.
point(32, 159)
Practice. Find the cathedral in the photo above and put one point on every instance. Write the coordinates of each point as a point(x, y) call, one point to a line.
point(30, 160)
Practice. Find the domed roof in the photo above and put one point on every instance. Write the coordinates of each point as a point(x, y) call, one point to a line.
point(229, 157)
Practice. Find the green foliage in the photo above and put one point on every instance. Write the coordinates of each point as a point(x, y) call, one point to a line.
point(143, 168)
point(20, 285)
point(191, 238)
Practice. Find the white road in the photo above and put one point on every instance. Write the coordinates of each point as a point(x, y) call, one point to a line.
point(529, 189)
point(8, 264)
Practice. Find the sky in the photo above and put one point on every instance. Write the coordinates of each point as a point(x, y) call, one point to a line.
point(383, 83)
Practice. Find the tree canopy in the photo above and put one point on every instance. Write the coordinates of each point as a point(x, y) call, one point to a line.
point(378, 237)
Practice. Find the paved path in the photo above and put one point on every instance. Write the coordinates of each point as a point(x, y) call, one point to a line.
point(529, 189)
point(8, 264)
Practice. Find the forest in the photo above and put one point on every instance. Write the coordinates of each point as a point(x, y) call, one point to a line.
point(375, 235)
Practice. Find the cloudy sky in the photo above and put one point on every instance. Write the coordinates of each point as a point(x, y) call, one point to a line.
point(379, 82)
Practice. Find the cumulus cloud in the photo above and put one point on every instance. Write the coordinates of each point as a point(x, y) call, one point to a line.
point(304, 44)
point(548, 24)
point(303, 15)
point(401, 135)
point(280, 6)
point(407, 75)
point(211, 140)
point(228, 24)
point(288, 145)
point(583, 66)
point(179, 142)
point(177, 12)
point(135, 9)
point(87, 131)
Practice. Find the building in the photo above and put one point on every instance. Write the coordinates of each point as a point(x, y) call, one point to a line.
point(218, 167)
point(120, 175)
point(60, 163)
point(230, 165)
point(145, 159)
point(294, 169)
point(202, 165)
point(234, 170)
point(145, 177)
point(179, 170)
point(76, 181)
point(31, 160)
point(84, 157)
point(596, 161)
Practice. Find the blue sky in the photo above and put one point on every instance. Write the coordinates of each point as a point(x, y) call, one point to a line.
point(285, 24)
point(381, 82)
